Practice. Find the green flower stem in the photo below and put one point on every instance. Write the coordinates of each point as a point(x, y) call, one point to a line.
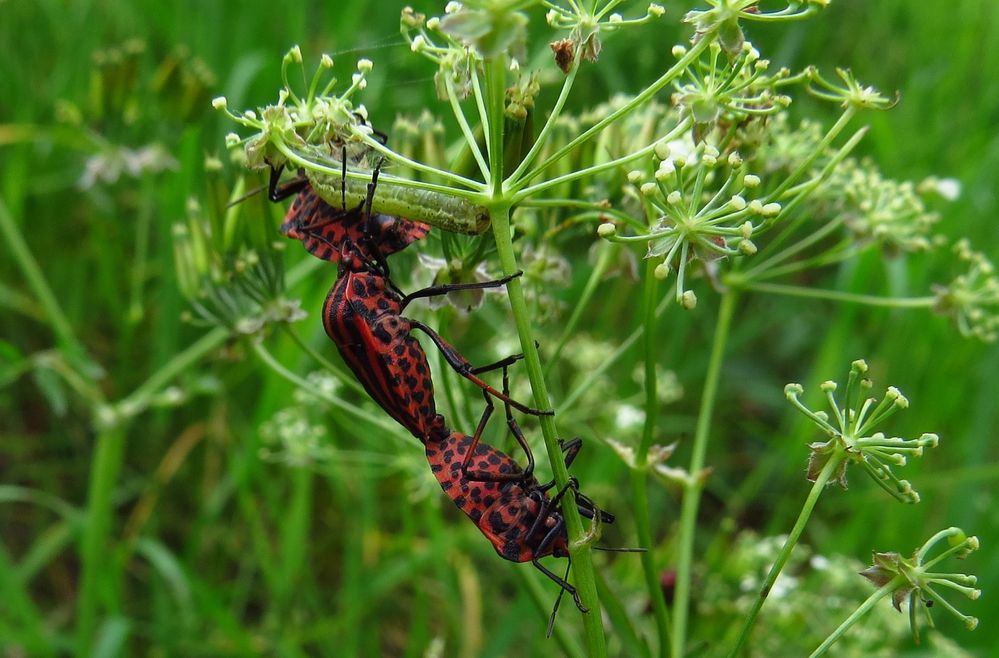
point(95, 543)
point(138, 400)
point(350, 409)
point(466, 130)
point(640, 473)
point(19, 251)
point(647, 94)
point(582, 564)
point(692, 489)
point(473, 190)
point(596, 275)
point(346, 379)
point(865, 607)
point(835, 295)
point(525, 193)
point(542, 601)
point(806, 164)
point(592, 375)
point(785, 552)
point(553, 116)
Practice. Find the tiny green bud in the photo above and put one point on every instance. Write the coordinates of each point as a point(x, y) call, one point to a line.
point(793, 390)
point(771, 209)
point(616, 18)
point(734, 159)
point(859, 365)
point(433, 23)
point(656, 10)
point(365, 65)
point(737, 202)
point(663, 173)
point(674, 198)
point(648, 189)
point(709, 160)
point(828, 386)
point(688, 300)
point(551, 17)
point(971, 623)
point(326, 61)
point(661, 271)
point(662, 150)
point(930, 440)
point(231, 140)
point(634, 176)
point(678, 51)
point(419, 44)
point(751, 180)
point(250, 114)
point(680, 161)
point(756, 206)
point(295, 54)
point(747, 247)
point(220, 103)
point(606, 230)
point(452, 7)
point(894, 394)
point(746, 229)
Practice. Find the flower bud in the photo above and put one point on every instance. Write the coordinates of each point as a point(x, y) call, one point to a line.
point(220, 103)
point(678, 51)
point(656, 10)
point(737, 202)
point(326, 61)
point(606, 230)
point(661, 271)
point(688, 299)
point(648, 189)
point(674, 198)
point(365, 65)
point(751, 181)
point(662, 150)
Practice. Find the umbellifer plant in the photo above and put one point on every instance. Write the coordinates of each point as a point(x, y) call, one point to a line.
point(716, 189)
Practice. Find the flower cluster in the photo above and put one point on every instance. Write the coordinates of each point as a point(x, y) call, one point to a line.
point(733, 88)
point(851, 436)
point(688, 223)
point(911, 578)
point(319, 123)
point(972, 298)
point(232, 278)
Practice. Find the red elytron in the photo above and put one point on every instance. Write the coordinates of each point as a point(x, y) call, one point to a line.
point(324, 229)
point(363, 317)
point(508, 505)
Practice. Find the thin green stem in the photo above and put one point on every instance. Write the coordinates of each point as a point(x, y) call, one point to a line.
point(345, 378)
point(466, 130)
point(96, 540)
point(640, 473)
point(862, 610)
point(692, 492)
point(553, 116)
point(785, 552)
point(577, 393)
point(596, 275)
point(19, 251)
point(647, 94)
point(527, 192)
point(836, 295)
point(582, 564)
point(351, 409)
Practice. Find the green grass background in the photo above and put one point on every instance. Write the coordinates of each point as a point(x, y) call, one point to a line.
point(211, 550)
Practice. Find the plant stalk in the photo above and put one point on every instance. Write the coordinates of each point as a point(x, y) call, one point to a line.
point(640, 473)
point(864, 608)
point(785, 552)
point(499, 210)
point(692, 490)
